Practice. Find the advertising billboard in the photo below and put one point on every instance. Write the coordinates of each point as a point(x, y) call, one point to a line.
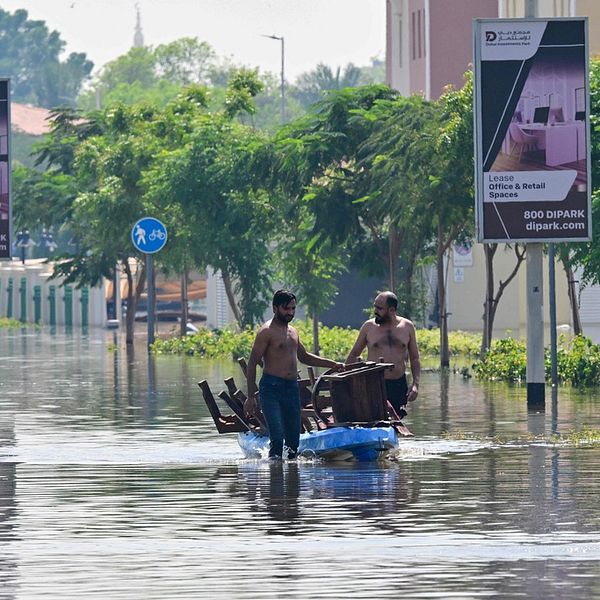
point(5, 208)
point(531, 112)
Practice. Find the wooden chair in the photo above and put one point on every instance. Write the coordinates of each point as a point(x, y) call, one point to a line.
point(223, 423)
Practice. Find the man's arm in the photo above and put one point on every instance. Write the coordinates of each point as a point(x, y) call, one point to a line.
point(415, 364)
point(359, 345)
point(258, 350)
point(312, 360)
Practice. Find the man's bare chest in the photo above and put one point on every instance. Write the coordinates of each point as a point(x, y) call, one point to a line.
point(388, 339)
point(282, 343)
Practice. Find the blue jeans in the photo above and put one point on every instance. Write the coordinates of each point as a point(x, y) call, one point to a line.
point(280, 402)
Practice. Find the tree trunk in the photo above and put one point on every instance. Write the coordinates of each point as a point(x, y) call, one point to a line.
point(441, 283)
point(492, 300)
point(231, 298)
point(406, 294)
point(575, 316)
point(315, 331)
point(132, 298)
point(184, 302)
point(393, 255)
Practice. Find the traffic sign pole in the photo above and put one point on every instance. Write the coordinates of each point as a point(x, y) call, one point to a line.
point(151, 297)
point(149, 235)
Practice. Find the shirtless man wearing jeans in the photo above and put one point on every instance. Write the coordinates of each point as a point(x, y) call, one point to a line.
point(392, 338)
point(278, 348)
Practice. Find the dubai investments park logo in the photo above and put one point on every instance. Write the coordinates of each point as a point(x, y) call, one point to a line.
point(490, 36)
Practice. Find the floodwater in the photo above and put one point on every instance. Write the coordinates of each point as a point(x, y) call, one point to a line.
point(114, 484)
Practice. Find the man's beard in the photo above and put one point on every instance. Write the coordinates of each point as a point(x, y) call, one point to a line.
point(379, 320)
point(284, 318)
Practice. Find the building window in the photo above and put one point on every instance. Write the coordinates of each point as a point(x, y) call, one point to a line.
point(414, 35)
point(419, 29)
point(400, 42)
point(423, 30)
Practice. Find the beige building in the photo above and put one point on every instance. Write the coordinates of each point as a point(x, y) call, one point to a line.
point(466, 292)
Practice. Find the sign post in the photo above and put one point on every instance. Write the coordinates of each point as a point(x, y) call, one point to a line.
point(149, 236)
point(531, 106)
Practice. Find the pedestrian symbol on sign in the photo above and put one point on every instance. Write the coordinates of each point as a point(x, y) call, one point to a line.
point(140, 235)
point(149, 235)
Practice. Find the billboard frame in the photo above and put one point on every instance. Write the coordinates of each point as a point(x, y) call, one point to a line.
point(9, 232)
point(478, 132)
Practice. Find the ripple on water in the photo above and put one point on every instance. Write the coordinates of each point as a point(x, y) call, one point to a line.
point(114, 484)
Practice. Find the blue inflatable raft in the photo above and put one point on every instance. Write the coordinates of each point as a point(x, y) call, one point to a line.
point(336, 443)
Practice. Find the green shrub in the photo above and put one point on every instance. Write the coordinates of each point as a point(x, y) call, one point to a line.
point(506, 361)
point(334, 342)
point(578, 361)
point(11, 323)
point(459, 342)
point(206, 343)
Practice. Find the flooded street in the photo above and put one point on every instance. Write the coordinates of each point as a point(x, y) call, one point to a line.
point(115, 484)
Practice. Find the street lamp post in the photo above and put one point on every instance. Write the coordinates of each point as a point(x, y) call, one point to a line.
point(281, 39)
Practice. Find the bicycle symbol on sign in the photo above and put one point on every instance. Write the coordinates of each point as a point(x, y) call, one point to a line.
point(157, 234)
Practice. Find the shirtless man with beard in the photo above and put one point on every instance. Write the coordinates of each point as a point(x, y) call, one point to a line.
point(277, 348)
point(392, 338)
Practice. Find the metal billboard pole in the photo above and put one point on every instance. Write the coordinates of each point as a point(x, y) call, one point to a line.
point(536, 378)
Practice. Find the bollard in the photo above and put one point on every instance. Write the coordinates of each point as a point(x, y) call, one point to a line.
point(9, 302)
point(85, 305)
point(37, 303)
point(23, 292)
point(68, 300)
point(52, 301)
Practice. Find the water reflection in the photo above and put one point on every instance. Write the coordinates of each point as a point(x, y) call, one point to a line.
point(112, 477)
point(8, 512)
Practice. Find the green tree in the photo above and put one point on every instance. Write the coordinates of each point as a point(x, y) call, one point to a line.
point(323, 183)
point(229, 217)
point(43, 194)
point(587, 255)
point(30, 56)
point(373, 73)
point(397, 159)
point(186, 61)
point(109, 168)
point(310, 87)
point(153, 75)
point(308, 264)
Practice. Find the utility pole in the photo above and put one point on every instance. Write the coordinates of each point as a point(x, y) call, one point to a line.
point(536, 377)
point(282, 40)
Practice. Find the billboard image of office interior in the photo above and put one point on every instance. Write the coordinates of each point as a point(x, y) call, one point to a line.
point(547, 129)
point(534, 183)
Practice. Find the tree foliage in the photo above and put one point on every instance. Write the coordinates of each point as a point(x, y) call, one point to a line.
point(30, 55)
point(587, 255)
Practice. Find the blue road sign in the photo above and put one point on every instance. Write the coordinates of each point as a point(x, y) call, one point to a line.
point(149, 235)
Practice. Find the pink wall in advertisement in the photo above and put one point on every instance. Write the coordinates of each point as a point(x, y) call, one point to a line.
point(451, 39)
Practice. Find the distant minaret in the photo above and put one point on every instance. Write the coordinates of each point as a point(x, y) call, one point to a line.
point(138, 36)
